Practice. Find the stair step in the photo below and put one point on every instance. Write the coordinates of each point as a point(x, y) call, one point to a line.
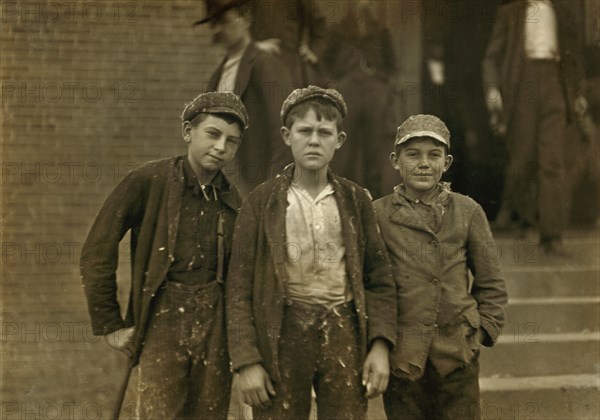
point(567, 280)
point(542, 354)
point(553, 315)
point(525, 252)
point(541, 397)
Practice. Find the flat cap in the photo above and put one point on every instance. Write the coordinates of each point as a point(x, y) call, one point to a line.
point(423, 125)
point(312, 92)
point(216, 103)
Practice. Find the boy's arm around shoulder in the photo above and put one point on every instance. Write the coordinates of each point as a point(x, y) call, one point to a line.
point(380, 288)
point(122, 209)
point(241, 330)
point(489, 289)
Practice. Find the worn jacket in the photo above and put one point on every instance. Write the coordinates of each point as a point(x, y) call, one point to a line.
point(146, 202)
point(255, 291)
point(262, 83)
point(505, 55)
point(436, 299)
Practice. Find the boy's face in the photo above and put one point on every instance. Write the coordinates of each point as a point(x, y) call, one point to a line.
point(313, 142)
point(212, 143)
point(229, 29)
point(421, 162)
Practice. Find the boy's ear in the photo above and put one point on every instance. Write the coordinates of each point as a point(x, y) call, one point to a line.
point(341, 139)
point(448, 161)
point(394, 160)
point(186, 131)
point(285, 135)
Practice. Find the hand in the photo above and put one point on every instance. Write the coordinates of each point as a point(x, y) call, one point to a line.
point(256, 386)
point(376, 369)
point(307, 54)
point(581, 106)
point(495, 107)
point(480, 335)
point(120, 340)
point(270, 45)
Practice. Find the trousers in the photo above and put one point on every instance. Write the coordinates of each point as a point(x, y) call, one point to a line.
point(454, 396)
point(184, 366)
point(535, 175)
point(318, 348)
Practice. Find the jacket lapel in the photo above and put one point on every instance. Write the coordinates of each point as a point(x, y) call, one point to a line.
point(174, 203)
point(349, 226)
point(245, 69)
point(275, 221)
point(216, 76)
point(403, 214)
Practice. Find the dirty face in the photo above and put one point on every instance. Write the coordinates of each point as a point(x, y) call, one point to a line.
point(313, 141)
point(421, 163)
point(212, 143)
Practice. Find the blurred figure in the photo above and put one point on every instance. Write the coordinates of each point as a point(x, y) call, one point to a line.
point(533, 74)
point(360, 57)
point(455, 35)
point(294, 31)
point(261, 81)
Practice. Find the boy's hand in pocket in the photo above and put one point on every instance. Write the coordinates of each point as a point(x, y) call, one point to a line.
point(120, 340)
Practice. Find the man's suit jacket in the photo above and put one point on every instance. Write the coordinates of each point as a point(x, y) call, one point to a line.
point(262, 83)
point(505, 55)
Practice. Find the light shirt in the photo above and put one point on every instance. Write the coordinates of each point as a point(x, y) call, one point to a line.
point(230, 72)
point(541, 40)
point(316, 255)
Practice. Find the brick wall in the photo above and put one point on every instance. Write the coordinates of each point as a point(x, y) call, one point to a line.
point(90, 90)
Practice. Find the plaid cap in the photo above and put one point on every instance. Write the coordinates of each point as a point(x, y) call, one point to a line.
point(311, 92)
point(216, 103)
point(423, 125)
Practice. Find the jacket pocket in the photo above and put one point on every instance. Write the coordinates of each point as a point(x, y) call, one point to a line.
point(473, 318)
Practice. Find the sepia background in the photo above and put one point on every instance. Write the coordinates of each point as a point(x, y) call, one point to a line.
point(92, 89)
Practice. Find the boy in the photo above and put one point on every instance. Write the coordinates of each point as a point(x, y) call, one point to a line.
point(434, 237)
point(310, 290)
point(181, 212)
point(261, 81)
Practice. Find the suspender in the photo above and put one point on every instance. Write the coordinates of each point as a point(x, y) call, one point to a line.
point(220, 247)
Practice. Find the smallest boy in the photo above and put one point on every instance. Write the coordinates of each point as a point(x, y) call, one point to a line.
point(310, 299)
point(434, 238)
point(181, 213)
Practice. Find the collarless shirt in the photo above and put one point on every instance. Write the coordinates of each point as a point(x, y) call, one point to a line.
point(541, 41)
point(195, 256)
point(230, 72)
point(316, 255)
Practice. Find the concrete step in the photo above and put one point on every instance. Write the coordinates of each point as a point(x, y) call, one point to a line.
point(525, 252)
point(541, 397)
point(531, 316)
point(542, 354)
point(565, 280)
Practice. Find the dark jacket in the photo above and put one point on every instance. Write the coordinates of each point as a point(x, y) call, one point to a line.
point(147, 203)
point(505, 55)
point(435, 297)
point(262, 83)
point(255, 290)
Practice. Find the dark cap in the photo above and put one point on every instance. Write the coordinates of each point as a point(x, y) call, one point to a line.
point(216, 103)
point(423, 125)
point(216, 8)
point(312, 92)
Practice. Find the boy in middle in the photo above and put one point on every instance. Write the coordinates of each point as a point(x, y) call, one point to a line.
point(310, 299)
